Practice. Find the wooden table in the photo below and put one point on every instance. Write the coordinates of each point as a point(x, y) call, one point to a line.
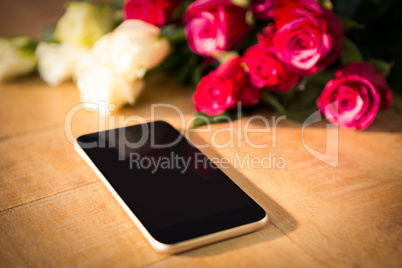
point(55, 212)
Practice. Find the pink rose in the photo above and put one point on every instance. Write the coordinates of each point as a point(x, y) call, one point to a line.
point(308, 37)
point(213, 25)
point(156, 12)
point(351, 99)
point(263, 9)
point(265, 70)
point(221, 89)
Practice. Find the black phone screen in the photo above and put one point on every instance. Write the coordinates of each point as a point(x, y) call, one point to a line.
point(173, 189)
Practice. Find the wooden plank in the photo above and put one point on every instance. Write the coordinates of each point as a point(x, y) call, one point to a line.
point(82, 227)
point(30, 105)
point(37, 165)
point(265, 248)
point(348, 215)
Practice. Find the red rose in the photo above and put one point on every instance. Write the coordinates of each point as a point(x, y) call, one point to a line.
point(156, 12)
point(263, 9)
point(223, 88)
point(352, 98)
point(308, 37)
point(265, 70)
point(213, 25)
point(367, 71)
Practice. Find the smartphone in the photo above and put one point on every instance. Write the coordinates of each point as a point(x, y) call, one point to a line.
point(175, 195)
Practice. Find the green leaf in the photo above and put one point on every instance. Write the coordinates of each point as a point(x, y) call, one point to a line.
point(201, 119)
point(101, 3)
point(24, 44)
point(197, 75)
point(178, 12)
point(326, 4)
point(241, 3)
point(301, 104)
point(395, 108)
point(270, 99)
point(116, 4)
point(350, 52)
point(223, 55)
point(47, 34)
point(173, 33)
point(187, 69)
point(350, 24)
point(382, 66)
point(28, 49)
point(322, 77)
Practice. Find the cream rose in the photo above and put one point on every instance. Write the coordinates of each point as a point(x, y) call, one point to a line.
point(57, 62)
point(136, 46)
point(98, 82)
point(113, 70)
point(15, 58)
point(83, 24)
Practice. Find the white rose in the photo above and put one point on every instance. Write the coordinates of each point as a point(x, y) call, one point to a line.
point(83, 24)
point(15, 58)
point(57, 62)
point(99, 82)
point(114, 68)
point(135, 47)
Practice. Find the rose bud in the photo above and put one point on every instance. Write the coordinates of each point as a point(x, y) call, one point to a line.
point(351, 99)
point(222, 88)
point(265, 70)
point(308, 37)
point(156, 12)
point(214, 25)
point(263, 9)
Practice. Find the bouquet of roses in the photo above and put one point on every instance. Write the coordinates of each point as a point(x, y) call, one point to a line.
point(299, 39)
point(289, 54)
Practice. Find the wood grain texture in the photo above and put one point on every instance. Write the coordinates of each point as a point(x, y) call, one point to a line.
point(65, 229)
point(55, 211)
point(349, 215)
